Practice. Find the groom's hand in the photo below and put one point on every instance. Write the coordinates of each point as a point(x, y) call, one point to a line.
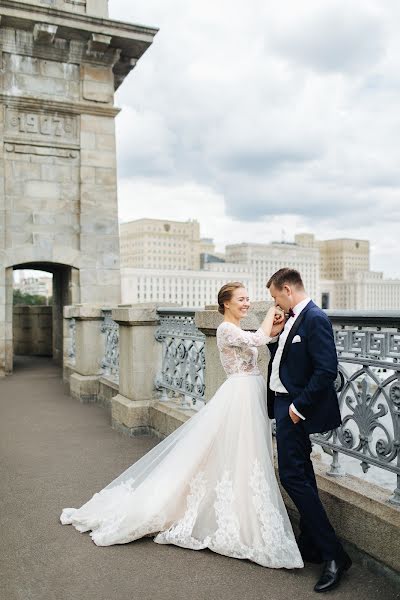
point(293, 416)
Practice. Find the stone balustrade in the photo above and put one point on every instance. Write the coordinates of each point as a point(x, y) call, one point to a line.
point(153, 366)
point(124, 365)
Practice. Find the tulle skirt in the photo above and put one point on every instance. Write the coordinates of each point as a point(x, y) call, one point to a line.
point(210, 484)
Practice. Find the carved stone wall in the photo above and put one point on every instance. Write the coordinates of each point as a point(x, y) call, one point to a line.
point(60, 63)
point(94, 7)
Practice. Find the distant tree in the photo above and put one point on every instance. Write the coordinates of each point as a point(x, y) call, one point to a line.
point(31, 299)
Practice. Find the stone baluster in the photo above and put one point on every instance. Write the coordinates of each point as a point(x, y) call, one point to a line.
point(140, 359)
point(89, 351)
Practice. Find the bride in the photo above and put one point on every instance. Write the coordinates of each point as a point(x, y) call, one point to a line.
point(211, 483)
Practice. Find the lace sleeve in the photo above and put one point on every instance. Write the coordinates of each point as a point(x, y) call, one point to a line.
point(231, 335)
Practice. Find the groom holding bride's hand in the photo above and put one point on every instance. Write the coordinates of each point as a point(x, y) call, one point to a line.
point(302, 399)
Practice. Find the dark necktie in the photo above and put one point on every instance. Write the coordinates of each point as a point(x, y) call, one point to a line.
point(291, 313)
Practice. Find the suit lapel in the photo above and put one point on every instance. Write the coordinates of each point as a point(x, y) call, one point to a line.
point(294, 330)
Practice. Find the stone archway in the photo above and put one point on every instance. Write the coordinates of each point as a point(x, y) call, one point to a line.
point(66, 290)
point(58, 188)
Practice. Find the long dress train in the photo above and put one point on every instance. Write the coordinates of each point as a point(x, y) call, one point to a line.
point(211, 483)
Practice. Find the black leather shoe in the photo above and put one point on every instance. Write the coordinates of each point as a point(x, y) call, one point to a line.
point(332, 573)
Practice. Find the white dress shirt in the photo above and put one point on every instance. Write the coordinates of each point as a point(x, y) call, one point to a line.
point(275, 383)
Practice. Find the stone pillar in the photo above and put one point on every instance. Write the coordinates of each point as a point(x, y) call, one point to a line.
point(6, 319)
point(60, 64)
point(2, 321)
point(89, 351)
point(66, 292)
point(100, 277)
point(3, 270)
point(140, 360)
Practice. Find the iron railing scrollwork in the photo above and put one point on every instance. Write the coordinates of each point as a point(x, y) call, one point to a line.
point(183, 359)
point(71, 352)
point(368, 383)
point(368, 388)
point(110, 362)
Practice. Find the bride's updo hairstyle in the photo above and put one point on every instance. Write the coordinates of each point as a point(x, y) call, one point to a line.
point(225, 294)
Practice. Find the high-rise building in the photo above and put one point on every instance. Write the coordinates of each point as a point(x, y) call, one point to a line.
point(339, 258)
point(168, 261)
point(264, 259)
point(161, 244)
point(346, 280)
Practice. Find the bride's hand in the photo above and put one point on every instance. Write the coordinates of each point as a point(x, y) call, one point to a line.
point(279, 321)
point(279, 315)
point(274, 321)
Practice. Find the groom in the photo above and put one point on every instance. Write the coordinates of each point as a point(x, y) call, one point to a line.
point(302, 399)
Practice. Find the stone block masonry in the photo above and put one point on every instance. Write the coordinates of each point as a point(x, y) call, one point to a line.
point(61, 62)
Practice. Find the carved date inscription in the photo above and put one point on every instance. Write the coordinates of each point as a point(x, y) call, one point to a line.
point(45, 126)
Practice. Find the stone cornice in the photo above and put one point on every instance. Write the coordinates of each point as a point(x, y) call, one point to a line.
point(75, 108)
point(85, 311)
point(12, 9)
point(132, 315)
point(74, 37)
point(62, 50)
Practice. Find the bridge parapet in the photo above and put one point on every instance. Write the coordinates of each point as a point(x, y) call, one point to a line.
point(154, 366)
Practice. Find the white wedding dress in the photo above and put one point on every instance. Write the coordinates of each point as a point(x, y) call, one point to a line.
point(211, 483)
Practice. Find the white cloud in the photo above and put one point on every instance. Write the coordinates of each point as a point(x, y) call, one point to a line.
point(158, 200)
point(256, 117)
point(333, 36)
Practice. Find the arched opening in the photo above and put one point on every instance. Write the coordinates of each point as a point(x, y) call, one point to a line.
point(32, 315)
point(37, 329)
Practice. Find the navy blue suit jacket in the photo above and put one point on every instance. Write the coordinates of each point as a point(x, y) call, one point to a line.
point(308, 370)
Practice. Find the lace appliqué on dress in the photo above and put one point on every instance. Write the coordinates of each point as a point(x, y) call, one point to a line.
point(238, 348)
point(278, 548)
point(226, 539)
point(181, 532)
point(274, 534)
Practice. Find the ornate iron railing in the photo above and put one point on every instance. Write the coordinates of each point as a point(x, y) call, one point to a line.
point(110, 362)
point(71, 352)
point(183, 359)
point(368, 387)
point(368, 383)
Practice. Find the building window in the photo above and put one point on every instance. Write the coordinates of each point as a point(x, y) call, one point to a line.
point(325, 300)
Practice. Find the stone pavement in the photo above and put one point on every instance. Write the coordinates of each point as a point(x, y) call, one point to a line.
point(54, 453)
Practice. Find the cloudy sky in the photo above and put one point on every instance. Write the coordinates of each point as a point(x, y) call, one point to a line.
point(263, 119)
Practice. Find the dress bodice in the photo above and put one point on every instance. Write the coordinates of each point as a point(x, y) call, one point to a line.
point(238, 349)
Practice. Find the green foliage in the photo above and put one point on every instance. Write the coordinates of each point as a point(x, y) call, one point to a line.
point(31, 299)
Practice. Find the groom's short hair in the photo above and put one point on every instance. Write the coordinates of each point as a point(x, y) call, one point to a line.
point(286, 276)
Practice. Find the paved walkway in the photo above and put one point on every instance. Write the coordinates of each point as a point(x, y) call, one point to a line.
point(55, 452)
